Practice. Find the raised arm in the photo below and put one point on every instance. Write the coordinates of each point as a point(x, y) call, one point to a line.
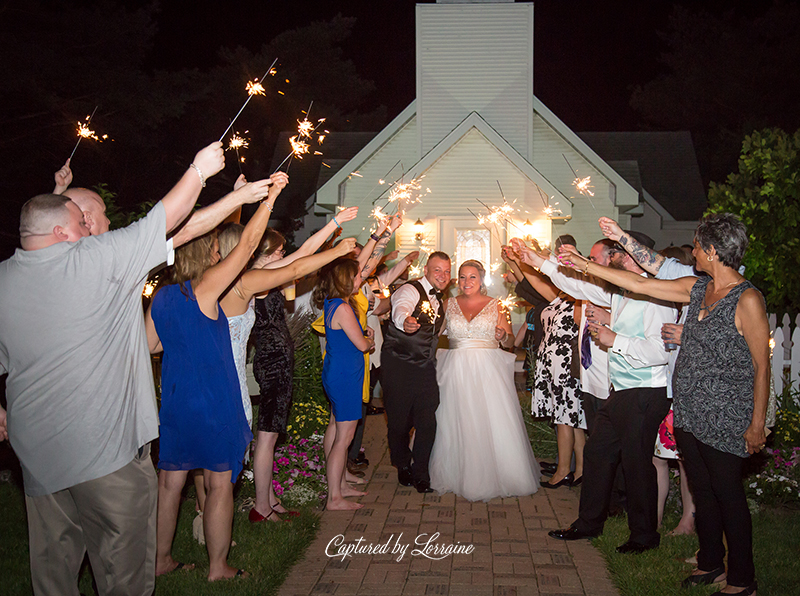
point(63, 178)
point(376, 248)
point(545, 288)
point(313, 244)
point(206, 219)
point(751, 320)
point(217, 279)
point(258, 281)
point(677, 290)
point(389, 277)
point(647, 258)
point(180, 200)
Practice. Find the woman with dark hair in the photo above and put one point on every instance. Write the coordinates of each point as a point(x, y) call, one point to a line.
point(203, 424)
point(720, 391)
point(342, 372)
point(273, 366)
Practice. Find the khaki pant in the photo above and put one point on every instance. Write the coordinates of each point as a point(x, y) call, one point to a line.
point(113, 518)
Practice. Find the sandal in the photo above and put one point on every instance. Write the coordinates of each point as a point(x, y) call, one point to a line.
point(289, 513)
point(744, 592)
point(255, 517)
point(703, 579)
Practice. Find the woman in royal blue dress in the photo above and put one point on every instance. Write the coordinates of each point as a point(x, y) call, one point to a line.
point(342, 372)
point(203, 423)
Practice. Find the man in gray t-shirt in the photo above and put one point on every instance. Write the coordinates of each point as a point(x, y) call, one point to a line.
point(81, 404)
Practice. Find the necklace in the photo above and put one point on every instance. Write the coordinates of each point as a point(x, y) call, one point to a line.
point(713, 304)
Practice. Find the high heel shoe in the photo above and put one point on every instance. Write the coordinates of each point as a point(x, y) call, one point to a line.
point(702, 579)
point(566, 481)
point(577, 481)
point(743, 592)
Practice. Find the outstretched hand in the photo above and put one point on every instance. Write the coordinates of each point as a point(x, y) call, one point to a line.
point(210, 160)
point(240, 182)
point(63, 178)
point(395, 222)
point(610, 228)
point(252, 192)
point(411, 325)
point(278, 182)
point(347, 214)
point(526, 254)
point(412, 256)
point(570, 257)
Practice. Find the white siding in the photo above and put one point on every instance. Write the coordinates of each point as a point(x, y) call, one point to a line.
point(475, 57)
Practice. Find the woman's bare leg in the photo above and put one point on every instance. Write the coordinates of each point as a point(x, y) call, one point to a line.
point(565, 440)
point(170, 485)
point(662, 476)
point(200, 489)
point(686, 525)
point(263, 461)
point(579, 443)
point(336, 460)
point(218, 522)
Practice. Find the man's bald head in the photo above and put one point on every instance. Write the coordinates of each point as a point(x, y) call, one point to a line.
point(93, 207)
point(47, 219)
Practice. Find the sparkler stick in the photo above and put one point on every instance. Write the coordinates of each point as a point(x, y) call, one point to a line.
point(252, 89)
point(236, 143)
point(507, 304)
point(380, 181)
point(480, 221)
point(426, 309)
point(298, 141)
point(84, 132)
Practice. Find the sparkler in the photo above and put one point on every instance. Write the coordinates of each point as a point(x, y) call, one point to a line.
point(582, 185)
point(426, 309)
point(299, 142)
point(84, 132)
point(414, 271)
point(238, 142)
point(253, 88)
point(507, 304)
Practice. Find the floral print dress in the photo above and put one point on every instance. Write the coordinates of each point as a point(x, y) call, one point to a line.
point(556, 393)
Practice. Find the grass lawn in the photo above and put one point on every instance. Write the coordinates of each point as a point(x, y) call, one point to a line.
point(267, 551)
point(776, 543)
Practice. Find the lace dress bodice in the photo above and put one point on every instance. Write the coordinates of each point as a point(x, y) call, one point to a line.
point(477, 333)
point(240, 326)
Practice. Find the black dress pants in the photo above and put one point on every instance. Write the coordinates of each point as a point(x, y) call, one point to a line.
point(624, 431)
point(410, 396)
point(715, 478)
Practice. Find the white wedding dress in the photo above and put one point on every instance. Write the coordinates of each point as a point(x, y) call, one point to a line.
point(482, 448)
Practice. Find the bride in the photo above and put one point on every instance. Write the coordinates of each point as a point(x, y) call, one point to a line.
point(482, 449)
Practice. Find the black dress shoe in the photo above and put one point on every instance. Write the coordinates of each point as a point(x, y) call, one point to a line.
point(373, 410)
point(703, 579)
point(743, 592)
point(577, 481)
point(548, 468)
point(423, 486)
point(566, 481)
point(633, 548)
point(572, 533)
point(404, 477)
point(361, 460)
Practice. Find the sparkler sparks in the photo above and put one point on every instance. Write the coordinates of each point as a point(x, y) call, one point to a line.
point(238, 142)
point(299, 142)
point(84, 132)
point(507, 304)
point(254, 87)
point(414, 271)
point(426, 309)
point(583, 185)
point(298, 147)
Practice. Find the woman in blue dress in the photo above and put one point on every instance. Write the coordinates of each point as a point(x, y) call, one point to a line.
point(203, 424)
point(342, 372)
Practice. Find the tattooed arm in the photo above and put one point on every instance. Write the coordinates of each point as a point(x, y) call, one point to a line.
point(647, 258)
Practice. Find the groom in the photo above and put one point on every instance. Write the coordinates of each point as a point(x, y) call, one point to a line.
point(408, 365)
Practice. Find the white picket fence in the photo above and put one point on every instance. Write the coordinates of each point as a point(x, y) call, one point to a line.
point(786, 352)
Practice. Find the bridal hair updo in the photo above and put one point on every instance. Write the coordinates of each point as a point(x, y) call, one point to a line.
point(479, 266)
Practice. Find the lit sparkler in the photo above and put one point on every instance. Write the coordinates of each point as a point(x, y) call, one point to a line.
point(414, 271)
point(84, 132)
point(507, 304)
point(254, 87)
point(299, 142)
point(426, 309)
point(583, 185)
point(238, 142)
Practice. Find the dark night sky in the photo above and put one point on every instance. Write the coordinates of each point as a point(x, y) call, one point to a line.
point(587, 54)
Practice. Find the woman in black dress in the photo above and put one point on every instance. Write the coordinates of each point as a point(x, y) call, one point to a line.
point(720, 391)
point(273, 366)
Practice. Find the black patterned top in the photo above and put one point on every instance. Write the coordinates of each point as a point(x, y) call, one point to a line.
point(714, 374)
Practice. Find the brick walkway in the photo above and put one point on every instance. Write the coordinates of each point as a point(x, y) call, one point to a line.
point(513, 556)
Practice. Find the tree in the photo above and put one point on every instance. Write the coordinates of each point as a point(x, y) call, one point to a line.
point(765, 194)
point(720, 70)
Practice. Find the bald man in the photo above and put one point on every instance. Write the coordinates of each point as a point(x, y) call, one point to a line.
point(93, 207)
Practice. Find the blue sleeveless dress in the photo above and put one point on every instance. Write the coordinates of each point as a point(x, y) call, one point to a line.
point(203, 424)
point(342, 369)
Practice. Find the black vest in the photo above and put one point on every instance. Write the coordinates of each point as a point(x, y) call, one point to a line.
point(419, 347)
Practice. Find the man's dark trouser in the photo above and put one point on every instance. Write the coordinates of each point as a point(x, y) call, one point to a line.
point(624, 431)
point(411, 396)
point(591, 406)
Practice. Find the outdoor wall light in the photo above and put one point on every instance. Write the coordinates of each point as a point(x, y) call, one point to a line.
point(419, 228)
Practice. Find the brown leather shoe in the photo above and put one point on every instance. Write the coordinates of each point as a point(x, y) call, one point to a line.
point(355, 469)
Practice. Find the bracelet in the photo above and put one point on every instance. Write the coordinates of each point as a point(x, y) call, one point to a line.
point(375, 238)
point(586, 269)
point(199, 173)
point(338, 225)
